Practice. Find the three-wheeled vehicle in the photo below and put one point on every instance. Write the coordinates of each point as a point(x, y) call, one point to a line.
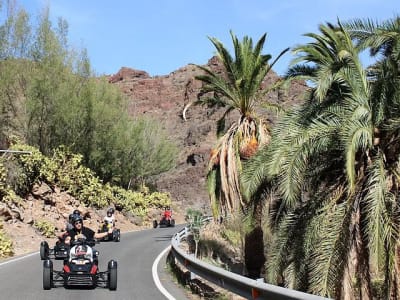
point(80, 268)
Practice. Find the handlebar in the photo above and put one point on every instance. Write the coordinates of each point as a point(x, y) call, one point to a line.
point(83, 241)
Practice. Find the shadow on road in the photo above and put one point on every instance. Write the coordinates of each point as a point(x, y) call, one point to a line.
point(163, 238)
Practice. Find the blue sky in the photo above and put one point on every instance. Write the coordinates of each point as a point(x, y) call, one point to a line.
point(160, 36)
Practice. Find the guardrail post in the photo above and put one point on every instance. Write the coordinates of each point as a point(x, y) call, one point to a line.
point(255, 293)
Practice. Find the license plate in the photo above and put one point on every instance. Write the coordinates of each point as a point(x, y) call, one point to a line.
point(80, 262)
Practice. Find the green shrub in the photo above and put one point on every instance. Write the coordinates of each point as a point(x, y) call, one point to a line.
point(6, 245)
point(7, 195)
point(3, 180)
point(46, 228)
point(138, 203)
point(65, 170)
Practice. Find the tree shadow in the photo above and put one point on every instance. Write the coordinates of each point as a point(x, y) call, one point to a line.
point(163, 238)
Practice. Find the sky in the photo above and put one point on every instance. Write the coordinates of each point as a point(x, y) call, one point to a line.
point(161, 36)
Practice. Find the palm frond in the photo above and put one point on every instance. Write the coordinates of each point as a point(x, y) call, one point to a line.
point(378, 202)
point(358, 137)
point(212, 187)
point(332, 252)
point(254, 173)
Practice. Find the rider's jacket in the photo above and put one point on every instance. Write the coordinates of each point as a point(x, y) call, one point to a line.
point(167, 214)
point(87, 232)
point(109, 220)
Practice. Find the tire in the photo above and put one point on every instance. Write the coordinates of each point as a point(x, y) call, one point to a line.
point(47, 275)
point(172, 223)
point(44, 250)
point(117, 237)
point(155, 224)
point(112, 275)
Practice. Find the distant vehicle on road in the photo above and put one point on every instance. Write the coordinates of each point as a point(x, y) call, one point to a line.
point(166, 219)
point(114, 236)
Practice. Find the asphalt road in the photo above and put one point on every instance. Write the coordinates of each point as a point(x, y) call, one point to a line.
point(135, 254)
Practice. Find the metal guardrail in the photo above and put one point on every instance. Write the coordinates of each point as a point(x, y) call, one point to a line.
point(240, 285)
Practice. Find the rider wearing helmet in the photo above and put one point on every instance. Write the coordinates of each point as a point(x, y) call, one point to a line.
point(81, 231)
point(109, 219)
point(69, 225)
point(167, 213)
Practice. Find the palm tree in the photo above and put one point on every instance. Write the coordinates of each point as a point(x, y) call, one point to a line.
point(335, 161)
point(239, 89)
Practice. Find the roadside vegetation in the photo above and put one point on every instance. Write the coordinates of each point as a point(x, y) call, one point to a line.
point(50, 97)
point(75, 124)
point(334, 165)
point(324, 189)
point(6, 245)
point(66, 171)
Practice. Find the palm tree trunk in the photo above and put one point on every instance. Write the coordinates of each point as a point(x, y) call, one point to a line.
point(395, 284)
point(254, 252)
point(254, 243)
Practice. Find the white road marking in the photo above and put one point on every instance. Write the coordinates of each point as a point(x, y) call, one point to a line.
point(17, 259)
point(157, 279)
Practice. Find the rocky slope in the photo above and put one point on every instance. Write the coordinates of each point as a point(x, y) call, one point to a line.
point(164, 98)
point(54, 206)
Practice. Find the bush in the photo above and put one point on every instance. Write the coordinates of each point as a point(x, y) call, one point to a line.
point(138, 202)
point(3, 181)
point(46, 228)
point(7, 195)
point(65, 170)
point(6, 245)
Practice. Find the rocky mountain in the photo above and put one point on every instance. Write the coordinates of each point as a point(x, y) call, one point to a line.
point(164, 98)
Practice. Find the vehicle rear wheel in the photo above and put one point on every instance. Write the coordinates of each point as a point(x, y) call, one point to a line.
point(155, 224)
point(44, 250)
point(172, 223)
point(47, 275)
point(112, 275)
point(117, 237)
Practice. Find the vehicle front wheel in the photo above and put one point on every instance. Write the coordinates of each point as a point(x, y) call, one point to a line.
point(155, 224)
point(112, 275)
point(47, 274)
point(172, 223)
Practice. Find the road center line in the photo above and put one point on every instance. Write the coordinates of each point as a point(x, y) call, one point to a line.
point(157, 279)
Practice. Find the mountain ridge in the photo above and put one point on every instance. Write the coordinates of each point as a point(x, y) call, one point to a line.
point(164, 98)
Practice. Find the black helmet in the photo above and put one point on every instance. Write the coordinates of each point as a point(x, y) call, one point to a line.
point(110, 210)
point(76, 218)
point(76, 212)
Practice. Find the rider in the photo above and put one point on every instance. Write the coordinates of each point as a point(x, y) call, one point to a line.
point(167, 213)
point(69, 225)
point(79, 231)
point(109, 219)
